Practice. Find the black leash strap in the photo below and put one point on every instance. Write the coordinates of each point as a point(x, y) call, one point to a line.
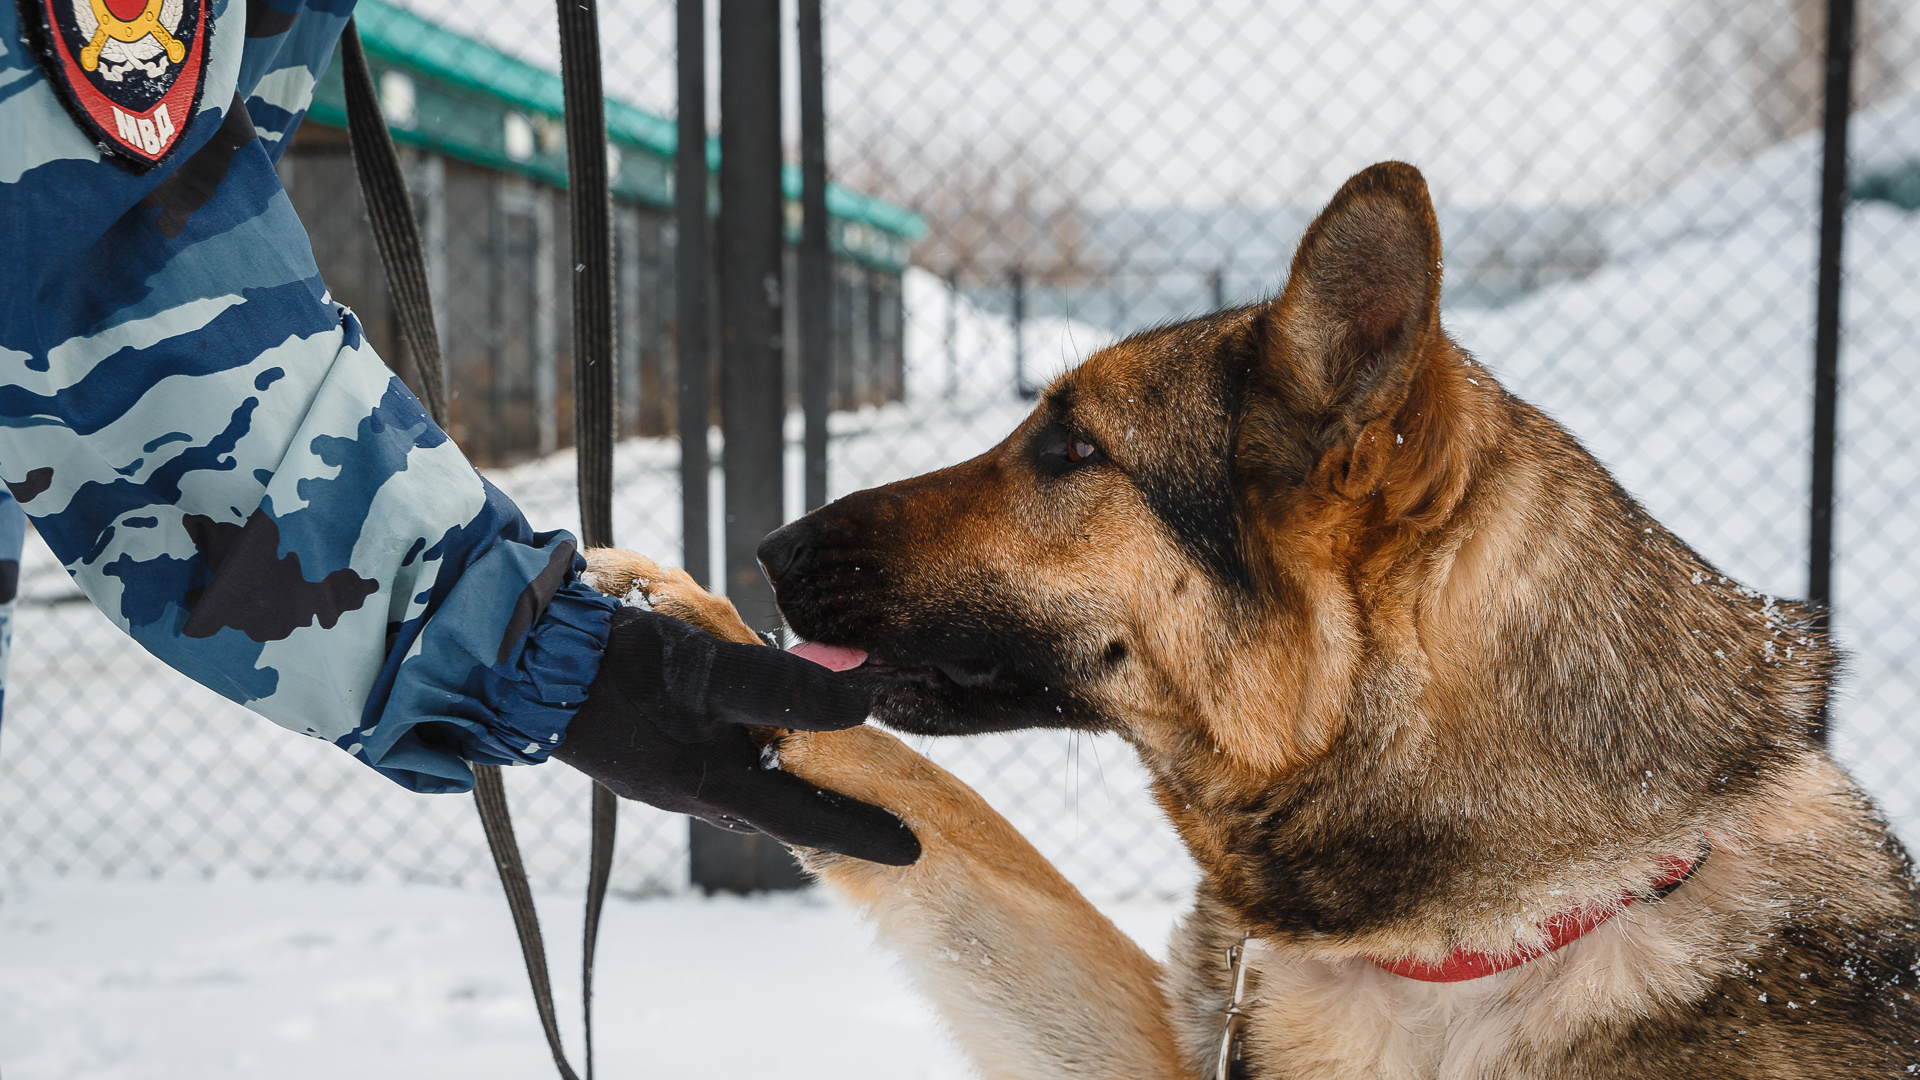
point(397, 235)
point(590, 204)
point(490, 795)
point(395, 230)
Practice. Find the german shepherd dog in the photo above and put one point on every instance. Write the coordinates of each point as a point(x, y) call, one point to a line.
point(1488, 774)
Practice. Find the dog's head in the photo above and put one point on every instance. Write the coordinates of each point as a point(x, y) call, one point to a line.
point(1175, 531)
point(1374, 625)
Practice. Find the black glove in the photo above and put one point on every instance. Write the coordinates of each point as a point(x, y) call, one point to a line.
point(663, 724)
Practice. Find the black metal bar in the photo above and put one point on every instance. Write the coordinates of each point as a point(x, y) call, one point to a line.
point(690, 290)
point(1826, 341)
point(1017, 282)
point(950, 337)
point(753, 403)
point(816, 268)
point(1826, 336)
point(752, 391)
point(1217, 285)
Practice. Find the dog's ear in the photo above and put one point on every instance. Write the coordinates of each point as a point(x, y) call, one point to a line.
point(1338, 348)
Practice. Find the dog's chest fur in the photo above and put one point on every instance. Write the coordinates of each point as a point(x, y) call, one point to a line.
point(1313, 1016)
point(1728, 976)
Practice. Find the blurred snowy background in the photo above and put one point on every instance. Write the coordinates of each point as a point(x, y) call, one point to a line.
point(1628, 191)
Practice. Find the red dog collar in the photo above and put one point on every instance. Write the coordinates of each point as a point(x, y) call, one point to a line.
point(1562, 929)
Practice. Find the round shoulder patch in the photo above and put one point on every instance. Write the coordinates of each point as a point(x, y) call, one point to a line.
point(129, 71)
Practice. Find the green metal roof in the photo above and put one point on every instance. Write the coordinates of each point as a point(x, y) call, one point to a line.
point(475, 103)
point(1899, 185)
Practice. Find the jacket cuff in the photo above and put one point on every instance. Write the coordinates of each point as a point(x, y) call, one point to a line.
point(474, 689)
point(533, 702)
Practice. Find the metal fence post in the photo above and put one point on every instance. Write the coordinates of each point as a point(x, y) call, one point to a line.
point(690, 289)
point(753, 402)
point(1017, 282)
point(816, 286)
point(1826, 336)
point(752, 392)
point(950, 334)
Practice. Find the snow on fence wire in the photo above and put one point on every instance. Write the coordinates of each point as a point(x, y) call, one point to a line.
point(1628, 193)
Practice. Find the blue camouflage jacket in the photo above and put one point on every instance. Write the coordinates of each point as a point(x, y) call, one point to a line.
point(203, 436)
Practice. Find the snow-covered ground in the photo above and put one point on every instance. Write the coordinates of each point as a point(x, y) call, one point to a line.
point(236, 978)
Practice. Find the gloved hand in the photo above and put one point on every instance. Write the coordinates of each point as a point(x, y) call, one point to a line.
point(665, 723)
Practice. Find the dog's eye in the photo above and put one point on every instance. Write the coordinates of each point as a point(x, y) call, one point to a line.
point(1080, 449)
point(1062, 449)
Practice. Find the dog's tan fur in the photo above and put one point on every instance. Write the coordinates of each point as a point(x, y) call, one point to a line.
point(665, 589)
point(1410, 673)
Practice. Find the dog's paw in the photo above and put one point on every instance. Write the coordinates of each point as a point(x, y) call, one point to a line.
point(668, 590)
point(875, 767)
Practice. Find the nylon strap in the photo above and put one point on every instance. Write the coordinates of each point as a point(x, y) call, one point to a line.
point(590, 205)
point(490, 796)
point(396, 232)
point(397, 235)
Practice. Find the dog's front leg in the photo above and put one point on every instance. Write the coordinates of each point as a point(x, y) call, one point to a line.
point(1032, 979)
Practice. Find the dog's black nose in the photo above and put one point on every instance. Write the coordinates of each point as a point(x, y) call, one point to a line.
point(785, 549)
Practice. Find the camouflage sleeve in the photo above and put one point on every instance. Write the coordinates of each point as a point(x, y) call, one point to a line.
point(204, 437)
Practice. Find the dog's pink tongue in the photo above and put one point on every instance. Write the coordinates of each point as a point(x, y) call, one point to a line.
point(831, 657)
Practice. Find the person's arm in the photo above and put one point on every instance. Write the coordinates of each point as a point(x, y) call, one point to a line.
point(206, 441)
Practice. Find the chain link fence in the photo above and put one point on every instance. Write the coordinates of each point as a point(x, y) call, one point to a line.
point(1628, 192)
